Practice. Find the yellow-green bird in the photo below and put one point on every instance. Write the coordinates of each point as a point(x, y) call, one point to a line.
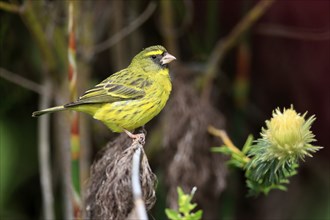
point(130, 98)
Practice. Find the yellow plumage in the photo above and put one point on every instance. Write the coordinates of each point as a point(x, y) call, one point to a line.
point(131, 97)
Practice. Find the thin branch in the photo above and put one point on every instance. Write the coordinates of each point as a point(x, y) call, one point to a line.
point(125, 31)
point(32, 22)
point(44, 153)
point(62, 141)
point(21, 81)
point(167, 27)
point(10, 7)
point(276, 30)
point(222, 134)
point(136, 185)
point(74, 135)
point(118, 54)
point(224, 45)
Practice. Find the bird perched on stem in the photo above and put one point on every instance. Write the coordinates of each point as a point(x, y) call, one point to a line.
point(130, 98)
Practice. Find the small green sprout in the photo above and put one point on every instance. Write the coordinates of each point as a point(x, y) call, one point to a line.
point(186, 208)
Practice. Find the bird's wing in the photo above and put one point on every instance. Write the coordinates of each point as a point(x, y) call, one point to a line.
point(110, 90)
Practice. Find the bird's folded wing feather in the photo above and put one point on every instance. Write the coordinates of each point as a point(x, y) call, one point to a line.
point(109, 91)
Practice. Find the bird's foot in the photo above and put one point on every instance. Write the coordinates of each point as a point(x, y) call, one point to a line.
point(137, 137)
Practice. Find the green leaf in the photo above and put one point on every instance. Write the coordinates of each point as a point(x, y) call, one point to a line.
point(197, 215)
point(223, 149)
point(180, 192)
point(172, 214)
point(247, 144)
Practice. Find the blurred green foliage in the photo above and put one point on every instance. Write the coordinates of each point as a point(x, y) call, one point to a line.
point(18, 169)
point(185, 207)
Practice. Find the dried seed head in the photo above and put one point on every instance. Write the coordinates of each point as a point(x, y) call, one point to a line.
point(109, 193)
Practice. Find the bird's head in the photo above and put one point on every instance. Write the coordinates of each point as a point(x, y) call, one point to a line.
point(153, 58)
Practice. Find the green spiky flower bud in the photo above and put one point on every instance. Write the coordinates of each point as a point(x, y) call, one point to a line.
point(288, 136)
point(274, 157)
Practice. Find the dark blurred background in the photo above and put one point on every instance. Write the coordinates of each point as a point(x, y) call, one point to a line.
point(283, 59)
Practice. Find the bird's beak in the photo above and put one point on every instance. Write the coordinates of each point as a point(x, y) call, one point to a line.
point(167, 58)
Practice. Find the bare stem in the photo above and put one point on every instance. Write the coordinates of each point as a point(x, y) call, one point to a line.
point(224, 45)
point(136, 185)
point(222, 134)
point(167, 23)
point(296, 33)
point(21, 81)
point(125, 31)
point(44, 154)
point(10, 7)
point(32, 22)
point(74, 136)
point(62, 139)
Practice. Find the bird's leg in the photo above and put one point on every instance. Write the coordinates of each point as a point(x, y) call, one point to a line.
point(139, 137)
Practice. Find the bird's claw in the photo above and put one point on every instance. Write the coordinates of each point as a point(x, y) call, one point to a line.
point(137, 137)
point(141, 138)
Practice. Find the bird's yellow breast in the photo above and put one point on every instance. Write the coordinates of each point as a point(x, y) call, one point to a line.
point(132, 114)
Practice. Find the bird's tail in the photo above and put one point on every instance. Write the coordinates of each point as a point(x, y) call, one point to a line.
point(48, 110)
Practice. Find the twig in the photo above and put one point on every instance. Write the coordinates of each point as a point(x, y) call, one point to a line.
point(44, 154)
point(222, 134)
point(32, 22)
point(86, 35)
point(277, 30)
point(224, 137)
point(125, 31)
point(21, 81)
point(74, 136)
point(167, 19)
point(136, 185)
point(72, 73)
point(167, 27)
point(224, 45)
point(62, 134)
point(119, 51)
point(10, 7)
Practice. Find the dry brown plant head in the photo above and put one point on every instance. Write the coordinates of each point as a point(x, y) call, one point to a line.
point(109, 193)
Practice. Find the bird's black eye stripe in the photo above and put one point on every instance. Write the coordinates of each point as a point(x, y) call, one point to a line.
point(156, 58)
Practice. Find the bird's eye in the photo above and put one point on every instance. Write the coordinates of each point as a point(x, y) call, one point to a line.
point(153, 57)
